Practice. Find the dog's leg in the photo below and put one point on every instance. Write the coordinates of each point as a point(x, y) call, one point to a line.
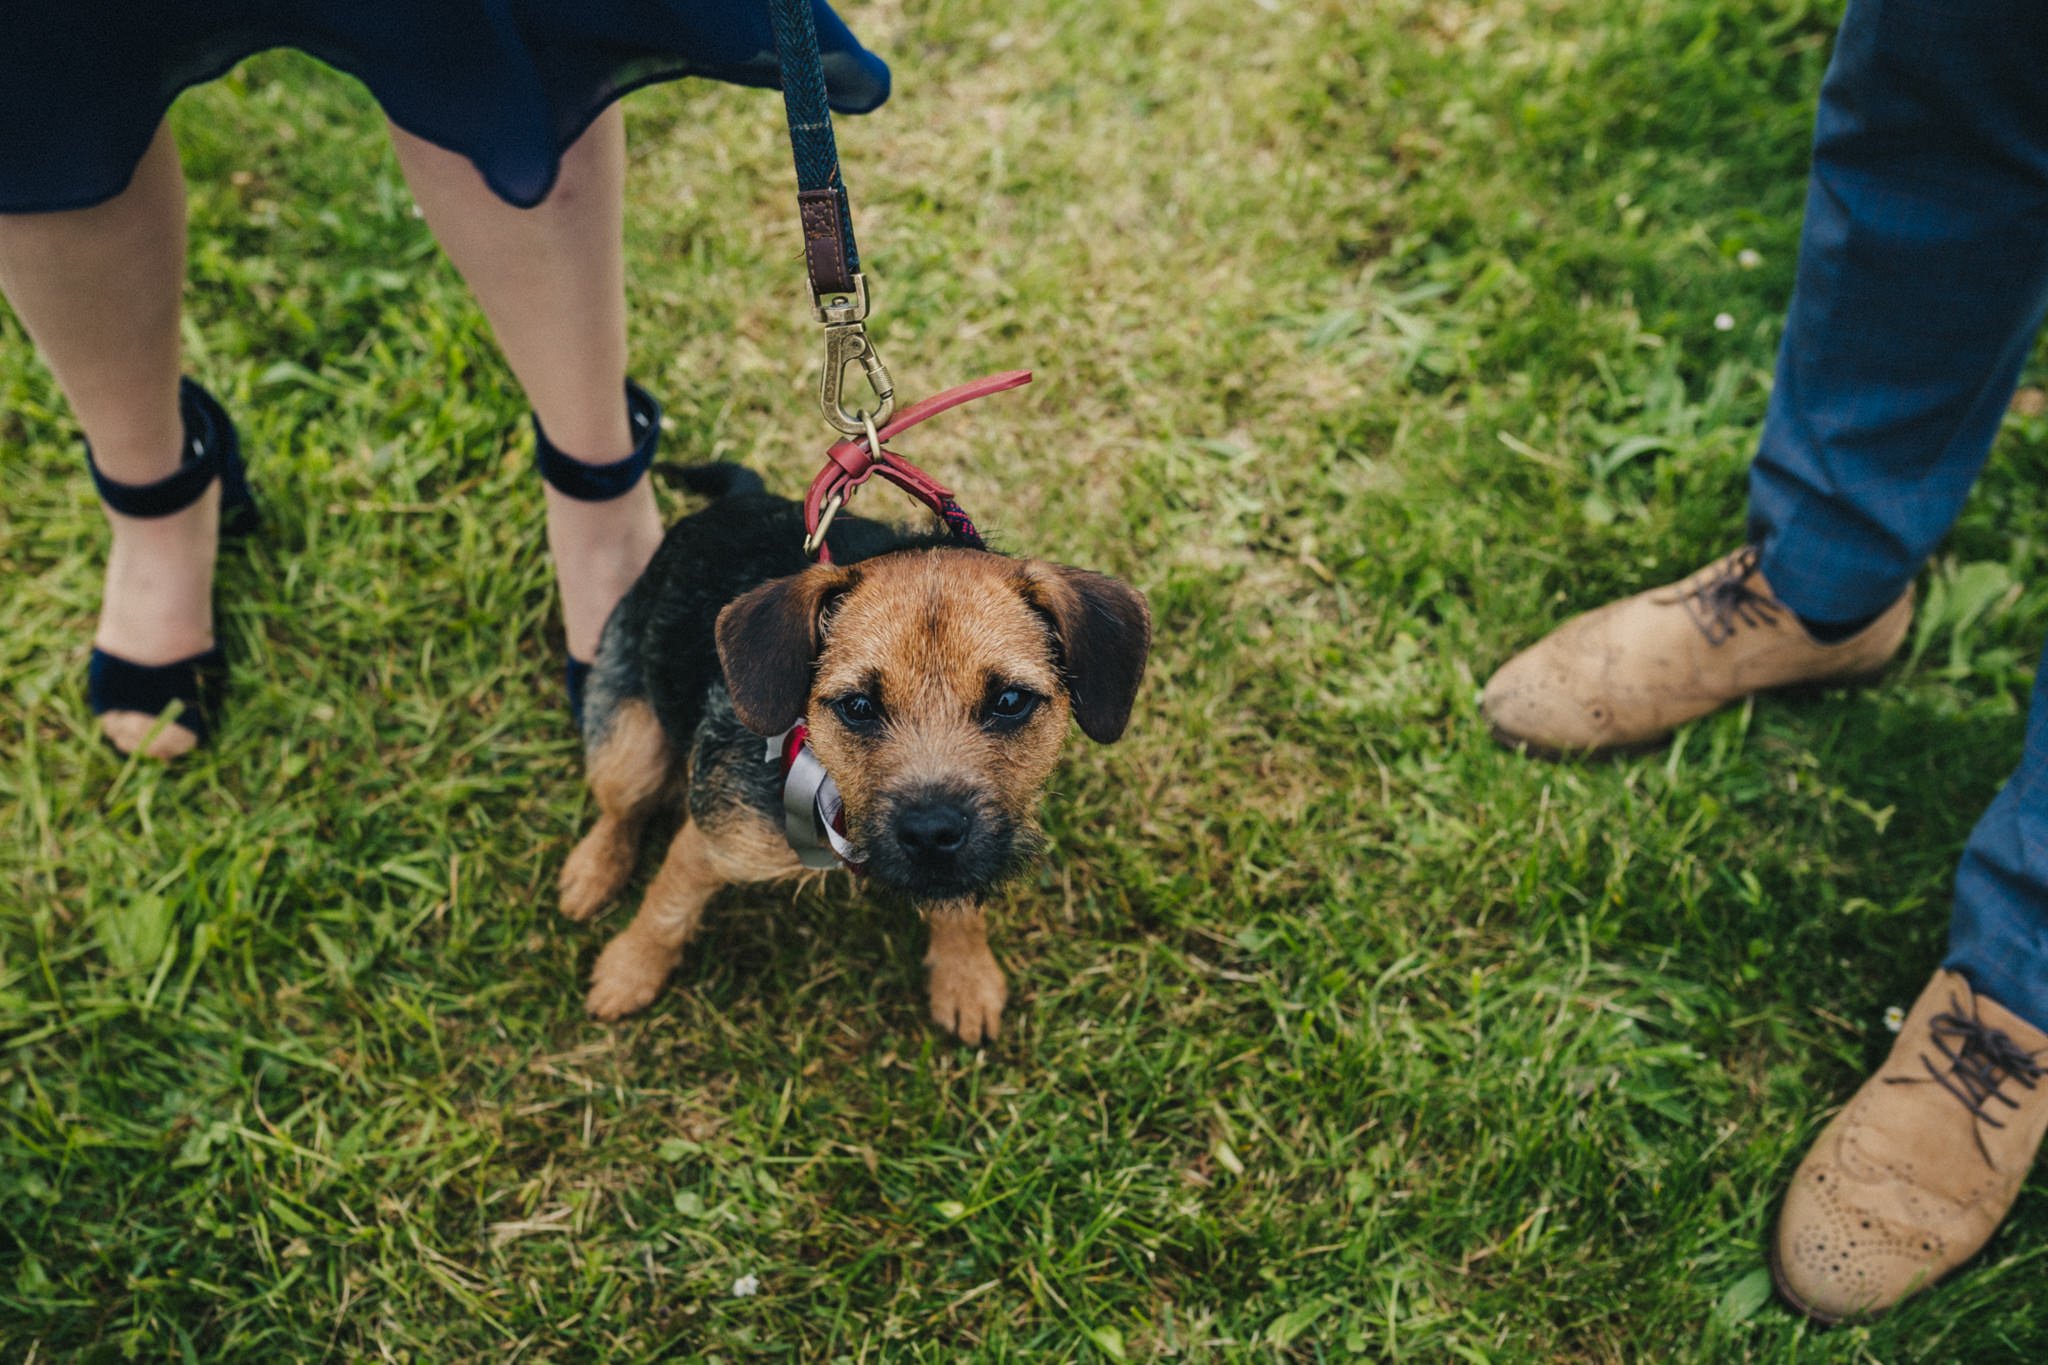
point(967, 990)
point(628, 770)
point(630, 971)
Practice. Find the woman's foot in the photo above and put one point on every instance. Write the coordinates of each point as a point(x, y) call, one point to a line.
point(157, 607)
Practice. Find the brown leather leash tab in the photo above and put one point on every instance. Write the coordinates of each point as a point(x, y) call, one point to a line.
point(825, 255)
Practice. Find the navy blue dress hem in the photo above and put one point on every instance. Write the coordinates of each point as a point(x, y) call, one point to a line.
point(509, 88)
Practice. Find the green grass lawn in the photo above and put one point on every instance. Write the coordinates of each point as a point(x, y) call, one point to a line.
point(1372, 339)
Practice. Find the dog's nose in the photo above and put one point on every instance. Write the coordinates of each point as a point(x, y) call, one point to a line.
point(933, 829)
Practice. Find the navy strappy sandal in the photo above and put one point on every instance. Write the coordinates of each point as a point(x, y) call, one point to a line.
point(212, 451)
point(573, 478)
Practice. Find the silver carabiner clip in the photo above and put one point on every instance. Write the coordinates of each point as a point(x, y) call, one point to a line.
point(847, 344)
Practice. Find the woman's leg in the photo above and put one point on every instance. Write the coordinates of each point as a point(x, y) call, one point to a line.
point(551, 279)
point(98, 290)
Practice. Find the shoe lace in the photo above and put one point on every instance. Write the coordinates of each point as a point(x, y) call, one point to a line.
point(1977, 1061)
point(1721, 600)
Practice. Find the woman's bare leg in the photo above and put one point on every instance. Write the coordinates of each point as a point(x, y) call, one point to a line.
point(99, 291)
point(551, 279)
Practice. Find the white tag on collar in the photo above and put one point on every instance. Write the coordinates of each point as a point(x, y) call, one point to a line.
point(811, 808)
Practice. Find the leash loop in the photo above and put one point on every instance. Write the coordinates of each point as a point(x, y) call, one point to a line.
point(851, 463)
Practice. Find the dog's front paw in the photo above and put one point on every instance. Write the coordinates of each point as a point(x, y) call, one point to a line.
point(596, 871)
point(628, 975)
point(968, 994)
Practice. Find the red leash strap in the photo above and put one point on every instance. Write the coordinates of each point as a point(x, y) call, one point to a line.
point(851, 463)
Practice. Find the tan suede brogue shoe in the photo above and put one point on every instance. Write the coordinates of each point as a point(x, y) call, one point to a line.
point(1631, 672)
point(1918, 1171)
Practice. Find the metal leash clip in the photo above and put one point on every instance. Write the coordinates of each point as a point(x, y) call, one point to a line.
point(847, 344)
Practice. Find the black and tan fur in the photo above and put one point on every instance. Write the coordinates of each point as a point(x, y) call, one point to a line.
point(730, 637)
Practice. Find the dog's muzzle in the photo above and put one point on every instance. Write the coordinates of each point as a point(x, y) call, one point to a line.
point(938, 842)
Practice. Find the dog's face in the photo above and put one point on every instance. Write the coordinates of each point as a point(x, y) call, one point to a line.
point(936, 685)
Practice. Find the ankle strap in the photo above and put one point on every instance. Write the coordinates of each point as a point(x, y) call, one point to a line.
point(196, 471)
point(602, 482)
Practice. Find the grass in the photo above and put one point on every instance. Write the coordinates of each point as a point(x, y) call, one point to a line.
point(1372, 340)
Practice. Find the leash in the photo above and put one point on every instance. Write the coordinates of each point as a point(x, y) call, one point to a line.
point(814, 818)
point(839, 300)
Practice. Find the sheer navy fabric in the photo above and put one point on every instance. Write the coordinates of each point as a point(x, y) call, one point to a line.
point(507, 83)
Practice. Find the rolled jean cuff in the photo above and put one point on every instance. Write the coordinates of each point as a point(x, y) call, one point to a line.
point(1830, 578)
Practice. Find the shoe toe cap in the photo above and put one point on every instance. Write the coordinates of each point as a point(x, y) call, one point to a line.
point(1534, 701)
point(1835, 1259)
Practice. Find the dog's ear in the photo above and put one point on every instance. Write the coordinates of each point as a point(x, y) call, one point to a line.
point(1103, 630)
point(767, 642)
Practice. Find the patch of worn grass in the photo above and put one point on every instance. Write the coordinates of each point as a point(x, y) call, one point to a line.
point(1372, 340)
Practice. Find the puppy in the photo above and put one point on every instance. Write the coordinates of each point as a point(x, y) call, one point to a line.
point(935, 682)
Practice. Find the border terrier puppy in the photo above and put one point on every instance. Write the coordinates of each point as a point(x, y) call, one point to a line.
point(935, 683)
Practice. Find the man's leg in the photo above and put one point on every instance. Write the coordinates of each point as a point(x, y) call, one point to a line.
point(1998, 935)
point(1923, 273)
point(1919, 1169)
point(1916, 1173)
point(1923, 276)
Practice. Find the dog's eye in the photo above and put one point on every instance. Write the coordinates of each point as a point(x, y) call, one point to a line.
point(858, 713)
point(1009, 707)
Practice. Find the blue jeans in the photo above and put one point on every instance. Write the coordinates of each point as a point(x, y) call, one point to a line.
point(1923, 276)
